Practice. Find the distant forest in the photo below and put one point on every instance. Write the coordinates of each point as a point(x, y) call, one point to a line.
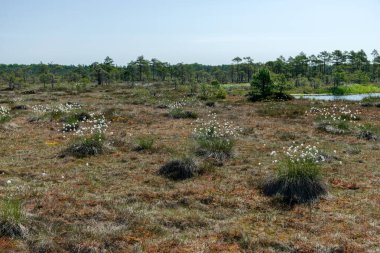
point(326, 68)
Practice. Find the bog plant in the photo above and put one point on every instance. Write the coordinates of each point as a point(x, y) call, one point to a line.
point(220, 93)
point(11, 218)
point(215, 138)
point(73, 120)
point(298, 176)
point(179, 169)
point(90, 137)
point(86, 146)
point(334, 113)
point(335, 119)
point(57, 111)
point(177, 111)
point(4, 114)
point(144, 143)
point(368, 132)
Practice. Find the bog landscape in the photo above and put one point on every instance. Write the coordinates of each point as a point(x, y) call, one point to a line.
point(154, 157)
point(189, 126)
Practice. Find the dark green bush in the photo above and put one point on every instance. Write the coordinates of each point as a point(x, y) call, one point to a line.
point(215, 83)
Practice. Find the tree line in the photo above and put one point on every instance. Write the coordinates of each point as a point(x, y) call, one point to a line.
point(325, 68)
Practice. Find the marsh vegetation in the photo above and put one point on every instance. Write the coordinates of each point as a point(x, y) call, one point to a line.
point(140, 162)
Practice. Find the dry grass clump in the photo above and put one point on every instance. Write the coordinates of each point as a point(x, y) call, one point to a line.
point(179, 169)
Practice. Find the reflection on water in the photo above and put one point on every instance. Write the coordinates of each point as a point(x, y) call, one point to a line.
point(356, 97)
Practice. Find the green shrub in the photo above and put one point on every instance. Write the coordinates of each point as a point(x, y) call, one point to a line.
point(205, 91)
point(215, 83)
point(221, 93)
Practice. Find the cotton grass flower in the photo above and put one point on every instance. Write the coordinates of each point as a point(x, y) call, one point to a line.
point(215, 138)
point(297, 178)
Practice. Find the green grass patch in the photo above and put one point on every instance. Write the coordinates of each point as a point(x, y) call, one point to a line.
point(355, 89)
point(11, 218)
point(371, 99)
point(144, 143)
point(11, 211)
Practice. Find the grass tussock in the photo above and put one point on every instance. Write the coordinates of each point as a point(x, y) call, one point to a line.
point(368, 132)
point(179, 169)
point(11, 218)
point(335, 127)
point(4, 114)
point(179, 113)
point(214, 138)
point(296, 183)
point(86, 146)
point(144, 143)
point(298, 177)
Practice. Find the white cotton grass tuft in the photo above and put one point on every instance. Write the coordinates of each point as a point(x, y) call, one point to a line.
point(335, 113)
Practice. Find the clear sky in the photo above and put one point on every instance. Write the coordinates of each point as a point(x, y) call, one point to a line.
point(203, 31)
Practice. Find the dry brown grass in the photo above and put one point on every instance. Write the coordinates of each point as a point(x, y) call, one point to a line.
point(117, 202)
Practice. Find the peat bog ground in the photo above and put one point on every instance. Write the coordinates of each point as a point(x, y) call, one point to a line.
point(116, 200)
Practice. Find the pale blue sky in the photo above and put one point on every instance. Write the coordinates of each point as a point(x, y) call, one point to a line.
point(203, 31)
